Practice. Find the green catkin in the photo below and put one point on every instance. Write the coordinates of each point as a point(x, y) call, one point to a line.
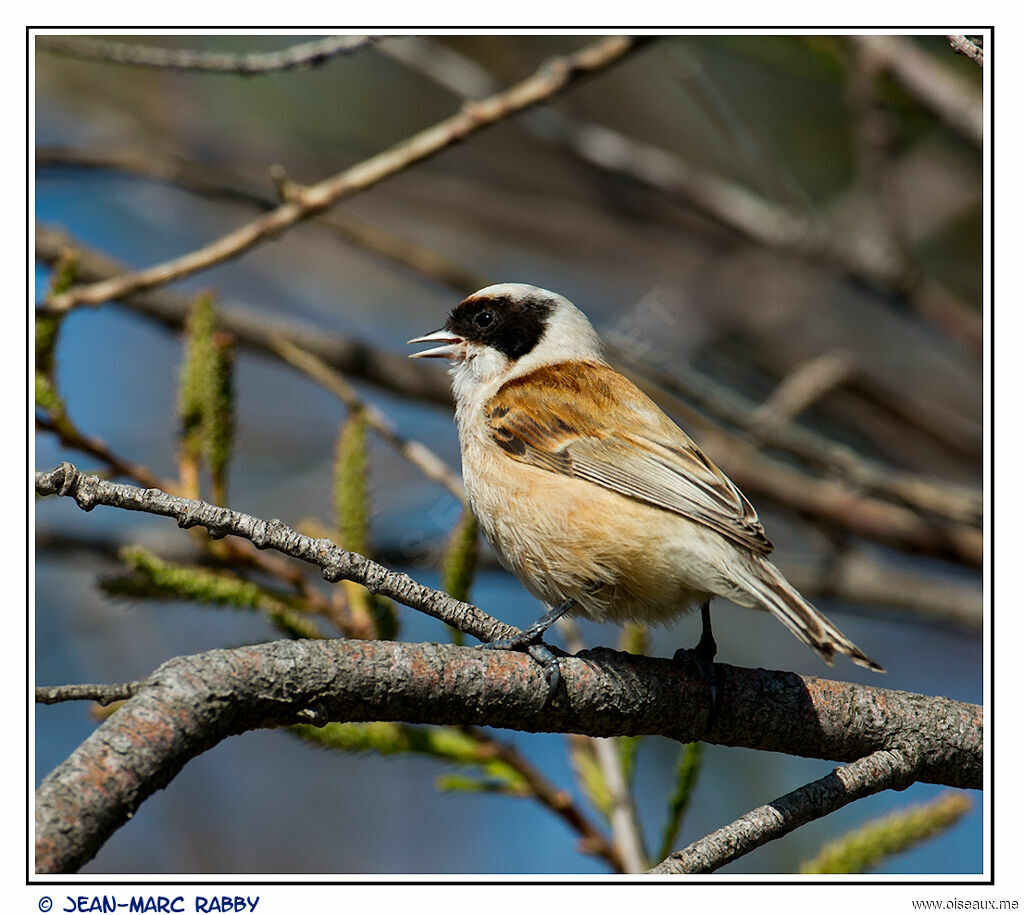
point(157, 578)
point(220, 414)
point(687, 770)
point(352, 515)
point(459, 562)
point(868, 846)
point(450, 745)
point(195, 385)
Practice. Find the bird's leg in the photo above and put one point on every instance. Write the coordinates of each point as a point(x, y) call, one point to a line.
point(703, 655)
point(530, 640)
point(535, 630)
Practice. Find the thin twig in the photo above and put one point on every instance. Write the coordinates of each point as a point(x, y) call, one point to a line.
point(305, 54)
point(71, 436)
point(807, 383)
point(889, 768)
point(336, 564)
point(104, 694)
point(622, 816)
point(962, 44)
point(413, 451)
point(550, 79)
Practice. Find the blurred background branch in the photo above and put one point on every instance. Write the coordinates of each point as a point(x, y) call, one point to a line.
point(305, 54)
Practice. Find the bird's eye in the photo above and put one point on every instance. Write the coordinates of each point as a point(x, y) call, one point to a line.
point(484, 319)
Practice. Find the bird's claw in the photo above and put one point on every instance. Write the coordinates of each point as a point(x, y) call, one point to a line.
point(536, 649)
point(552, 669)
point(704, 663)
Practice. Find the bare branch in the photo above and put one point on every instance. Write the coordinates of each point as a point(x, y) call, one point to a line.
point(890, 768)
point(306, 54)
point(336, 564)
point(805, 384)
point(552, 77)
point(962, 44)
point(104, 694)
point(189, 704)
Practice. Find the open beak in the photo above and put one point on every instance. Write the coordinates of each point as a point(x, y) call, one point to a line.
point(451, 346)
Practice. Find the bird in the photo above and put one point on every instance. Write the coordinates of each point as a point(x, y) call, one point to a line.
point(586, 491)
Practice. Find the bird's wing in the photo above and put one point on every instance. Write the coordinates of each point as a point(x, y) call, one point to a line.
point(585, 420)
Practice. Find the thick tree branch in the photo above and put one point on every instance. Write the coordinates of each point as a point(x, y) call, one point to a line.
point(894, 768)
point(306, 54)
point(191, 703)
point(552, 77)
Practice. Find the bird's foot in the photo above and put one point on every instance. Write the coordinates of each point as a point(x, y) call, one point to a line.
point(541, 653)
point(703, 657)
point(529, 640)
point(708, 671)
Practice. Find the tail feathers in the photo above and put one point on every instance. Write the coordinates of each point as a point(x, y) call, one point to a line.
point(771, 590)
